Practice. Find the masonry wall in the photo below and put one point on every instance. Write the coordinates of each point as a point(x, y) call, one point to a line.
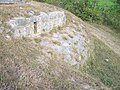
point(45, 22)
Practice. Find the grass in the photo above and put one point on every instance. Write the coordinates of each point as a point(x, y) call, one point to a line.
point(107, 3)
point(112, 32)
point(64, 37)
point(37, 40)
point(56, 42)
point(26, 65)
point(104, 64)
point(71, 36)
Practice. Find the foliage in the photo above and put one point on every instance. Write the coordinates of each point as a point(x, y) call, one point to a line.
point(99, 11)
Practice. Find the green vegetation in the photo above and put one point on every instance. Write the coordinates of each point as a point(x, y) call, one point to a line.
point(105, 12)
point(104, 65)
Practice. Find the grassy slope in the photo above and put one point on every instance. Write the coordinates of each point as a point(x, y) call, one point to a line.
point(12, 58)
point(98, 66)
point(25, 65)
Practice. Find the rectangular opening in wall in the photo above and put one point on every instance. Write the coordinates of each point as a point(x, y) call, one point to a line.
point(35, 27)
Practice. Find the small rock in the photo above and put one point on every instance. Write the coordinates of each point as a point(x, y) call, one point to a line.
point(0, 22)
point(82, 25)
point(73, 21)
point(21, 8)
point(8, 37)
point(107, 60)
point(87, 87)
point(79, 58)
point(31, 13)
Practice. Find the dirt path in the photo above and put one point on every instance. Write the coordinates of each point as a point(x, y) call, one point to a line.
point(105, 35)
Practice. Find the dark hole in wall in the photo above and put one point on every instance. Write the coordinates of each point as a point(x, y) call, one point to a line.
point(35, 27)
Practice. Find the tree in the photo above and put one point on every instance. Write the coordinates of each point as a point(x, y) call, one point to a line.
point(118, 1)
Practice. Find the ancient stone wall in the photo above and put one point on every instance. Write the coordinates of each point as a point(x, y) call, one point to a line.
point(44, 22)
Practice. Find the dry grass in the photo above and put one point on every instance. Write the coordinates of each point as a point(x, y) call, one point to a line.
point(25, 65)
point(56, 43)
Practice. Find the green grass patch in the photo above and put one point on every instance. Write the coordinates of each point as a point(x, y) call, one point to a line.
point(104, 64)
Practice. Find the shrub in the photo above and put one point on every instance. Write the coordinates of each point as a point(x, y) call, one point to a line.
point(99, 11)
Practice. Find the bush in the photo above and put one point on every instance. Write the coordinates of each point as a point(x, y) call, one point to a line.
point(98, 11)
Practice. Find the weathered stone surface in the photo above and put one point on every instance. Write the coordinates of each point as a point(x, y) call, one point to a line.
point(72, 44)
point(20, 26)
point(44, 23)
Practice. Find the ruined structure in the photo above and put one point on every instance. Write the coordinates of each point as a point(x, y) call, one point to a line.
point(71, 43)
point(44, 22)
